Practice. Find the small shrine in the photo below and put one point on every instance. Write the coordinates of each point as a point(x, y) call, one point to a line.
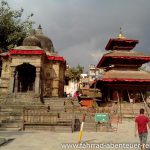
point(33, 69)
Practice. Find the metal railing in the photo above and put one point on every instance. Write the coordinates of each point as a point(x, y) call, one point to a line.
point(145, 104)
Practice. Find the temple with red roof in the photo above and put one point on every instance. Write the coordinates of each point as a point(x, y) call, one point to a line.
point(33, 69)
point(123, 80)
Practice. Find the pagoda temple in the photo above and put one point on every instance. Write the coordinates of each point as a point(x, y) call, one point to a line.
point(33, 69)
point(123, 80)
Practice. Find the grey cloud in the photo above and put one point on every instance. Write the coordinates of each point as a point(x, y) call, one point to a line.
point(79, 28)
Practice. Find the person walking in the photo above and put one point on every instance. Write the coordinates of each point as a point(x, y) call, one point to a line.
point(141, 123)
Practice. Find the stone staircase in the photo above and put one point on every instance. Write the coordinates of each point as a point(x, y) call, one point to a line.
point(21, 99)
point(126, 110)
point(131, 110)
point(10, 118)
point(11, 113)
point(64, 110)
point(11, 110)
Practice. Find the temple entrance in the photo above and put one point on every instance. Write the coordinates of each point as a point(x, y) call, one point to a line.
point(115, 95)
point(25, 78)
point(125, 96)
point(130, 96)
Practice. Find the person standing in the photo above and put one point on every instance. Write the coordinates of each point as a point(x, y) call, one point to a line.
point(115, 107)
point(141, 123)
point(76, 95)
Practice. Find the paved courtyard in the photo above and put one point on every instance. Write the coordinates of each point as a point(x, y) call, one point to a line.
point(45, 140)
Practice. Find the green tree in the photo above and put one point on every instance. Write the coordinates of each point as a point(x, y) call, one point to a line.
point(74, 73)
point(12, 29)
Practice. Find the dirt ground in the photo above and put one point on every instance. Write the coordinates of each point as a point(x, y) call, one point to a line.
point(45, 140)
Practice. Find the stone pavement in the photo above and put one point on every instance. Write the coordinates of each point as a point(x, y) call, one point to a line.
point(45, 140)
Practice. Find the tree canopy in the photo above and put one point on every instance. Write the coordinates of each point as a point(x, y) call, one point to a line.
point(12, 28)
point(74, 73)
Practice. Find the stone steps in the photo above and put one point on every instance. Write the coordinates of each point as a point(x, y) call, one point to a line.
point(14, 112)
point(10, 129)
point(11, 125)
point(60, 129)
point(11, 118)
point(131, 110)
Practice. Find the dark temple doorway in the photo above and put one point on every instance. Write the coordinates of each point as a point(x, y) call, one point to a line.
point(25, 77)
point(0, 67)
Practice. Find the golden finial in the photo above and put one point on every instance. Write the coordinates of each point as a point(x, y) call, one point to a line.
point(121, 35)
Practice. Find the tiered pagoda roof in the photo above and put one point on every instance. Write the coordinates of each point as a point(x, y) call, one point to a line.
point(123, 57)
point(122, 63)
point(121, 43)
point(127, 76)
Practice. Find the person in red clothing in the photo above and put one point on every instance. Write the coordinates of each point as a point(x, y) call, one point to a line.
point(141, 123)
point(76, 95)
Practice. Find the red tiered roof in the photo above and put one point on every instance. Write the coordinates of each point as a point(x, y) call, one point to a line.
point(58, 58)
point(127, 76)
point(32, 52)
point(125, 80)
point(120, 56)
point(121, 44)
point(27, 52)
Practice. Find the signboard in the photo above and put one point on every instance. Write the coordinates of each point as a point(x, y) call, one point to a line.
point(102, 117)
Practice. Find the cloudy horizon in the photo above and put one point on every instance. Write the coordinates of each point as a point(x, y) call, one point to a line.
point(80, 29)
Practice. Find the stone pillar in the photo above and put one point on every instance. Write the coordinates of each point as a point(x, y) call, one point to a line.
point(16, 83)
point(12, 79)
point(37, 82)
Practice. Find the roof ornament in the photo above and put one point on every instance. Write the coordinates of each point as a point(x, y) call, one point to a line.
point(39, 30)
point(40, 27)
point(121, 35)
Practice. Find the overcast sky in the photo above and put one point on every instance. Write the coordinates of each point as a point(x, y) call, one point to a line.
point(80, 29)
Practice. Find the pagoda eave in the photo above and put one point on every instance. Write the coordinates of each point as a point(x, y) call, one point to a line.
point(120, 81)
point(113, 42)
point(101, 63)
point(125, 80)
